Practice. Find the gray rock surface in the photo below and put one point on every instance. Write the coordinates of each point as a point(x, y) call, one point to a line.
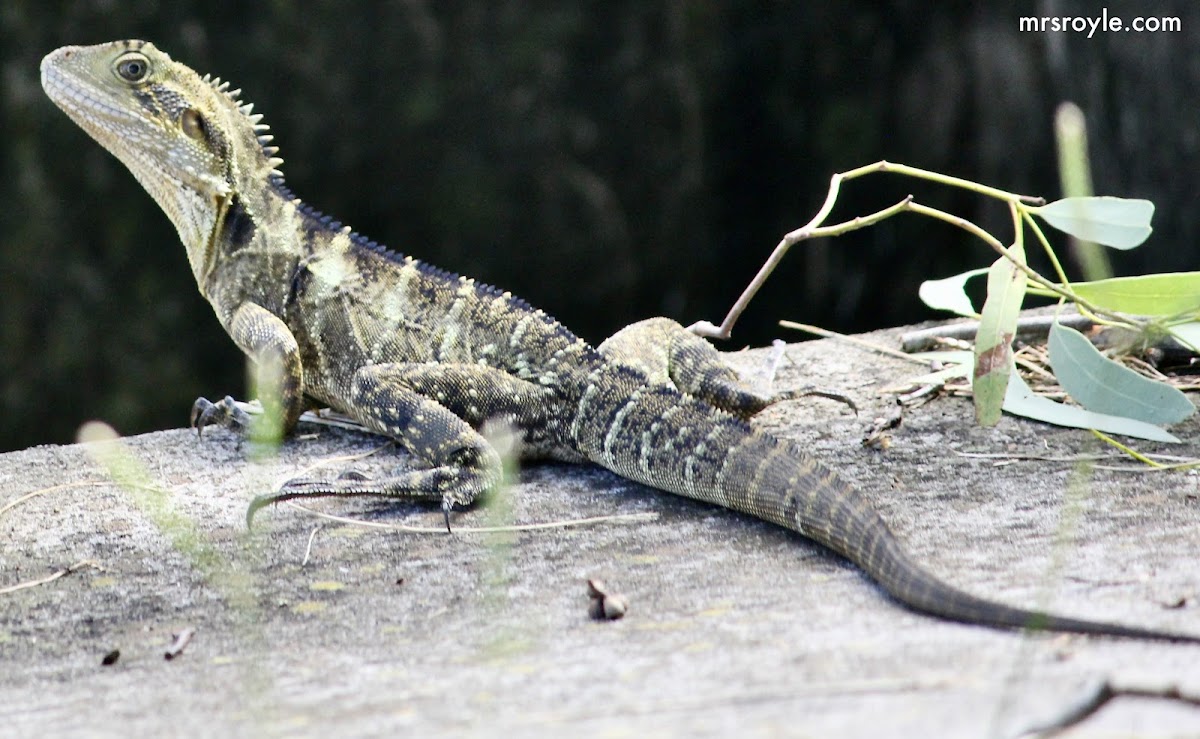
point(306, 626)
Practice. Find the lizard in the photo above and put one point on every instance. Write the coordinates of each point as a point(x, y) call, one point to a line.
point(425, 356)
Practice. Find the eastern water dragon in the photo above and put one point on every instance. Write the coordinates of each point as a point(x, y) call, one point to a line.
point(426, 356)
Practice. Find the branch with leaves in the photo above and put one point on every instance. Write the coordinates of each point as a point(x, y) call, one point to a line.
point(1110, 396)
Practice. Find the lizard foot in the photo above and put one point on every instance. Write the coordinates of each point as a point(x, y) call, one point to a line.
point(223, 413)
point(262, 501)
point(449, 486)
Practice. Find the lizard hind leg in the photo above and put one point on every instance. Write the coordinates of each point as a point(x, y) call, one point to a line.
point(670, 354)
point(458, 463)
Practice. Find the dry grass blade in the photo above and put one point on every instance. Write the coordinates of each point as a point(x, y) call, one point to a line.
point(330, 461)
point(27, 496)
point(441, 530)
point(51, 577)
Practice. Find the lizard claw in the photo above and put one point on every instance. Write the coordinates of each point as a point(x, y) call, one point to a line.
point(223, 413)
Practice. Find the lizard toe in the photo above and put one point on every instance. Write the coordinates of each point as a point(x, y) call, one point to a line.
point(224, 413)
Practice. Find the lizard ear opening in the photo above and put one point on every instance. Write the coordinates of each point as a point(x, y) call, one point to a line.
point(133, 67)
point(193, 125)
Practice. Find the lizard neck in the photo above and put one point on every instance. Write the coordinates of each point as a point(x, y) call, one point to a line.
point(255, 241)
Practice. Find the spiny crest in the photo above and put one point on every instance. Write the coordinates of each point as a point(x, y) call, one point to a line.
point(260, 129)
point(328, 223)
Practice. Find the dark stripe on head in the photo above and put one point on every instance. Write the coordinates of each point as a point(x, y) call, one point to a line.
point(147, 101)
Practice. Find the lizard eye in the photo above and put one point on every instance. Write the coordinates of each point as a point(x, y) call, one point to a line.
point(192, 124)
point(133, 67)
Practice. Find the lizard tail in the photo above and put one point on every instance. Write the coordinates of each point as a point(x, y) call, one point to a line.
point(679, 444)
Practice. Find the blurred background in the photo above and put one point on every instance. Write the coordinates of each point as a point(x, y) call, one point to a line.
point(607, 161)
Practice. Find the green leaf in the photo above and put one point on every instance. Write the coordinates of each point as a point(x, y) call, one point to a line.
point(1102, 385)
point(1169, 294)
point(1020, 400)
point(993, 342)
point(1117, 222)
point(948, 294)
point(1188, 333)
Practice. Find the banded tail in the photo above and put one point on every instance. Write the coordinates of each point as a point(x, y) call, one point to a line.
point(655, 435)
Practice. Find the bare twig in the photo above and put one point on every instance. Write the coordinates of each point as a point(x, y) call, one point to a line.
point(814, 229)
point(1097, 695)
point(1031, 274)
point(182, 639)
point(826, 333)
point(809, 231)
point(1029, 327)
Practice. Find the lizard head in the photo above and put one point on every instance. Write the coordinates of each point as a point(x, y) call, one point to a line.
point(187, 139)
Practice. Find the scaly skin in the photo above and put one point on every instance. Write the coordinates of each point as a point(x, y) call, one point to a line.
point(426, 357)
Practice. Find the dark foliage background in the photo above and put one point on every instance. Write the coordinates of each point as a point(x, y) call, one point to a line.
point(608, 161)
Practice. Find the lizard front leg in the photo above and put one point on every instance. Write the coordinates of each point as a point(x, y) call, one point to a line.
point(432, 411)
point(278, 373)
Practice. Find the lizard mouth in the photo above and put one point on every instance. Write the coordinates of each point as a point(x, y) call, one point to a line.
point(128, 119)
point(85, 104)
